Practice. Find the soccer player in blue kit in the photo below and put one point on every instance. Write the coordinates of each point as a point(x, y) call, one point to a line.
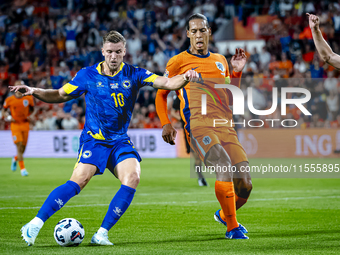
point(110, 88)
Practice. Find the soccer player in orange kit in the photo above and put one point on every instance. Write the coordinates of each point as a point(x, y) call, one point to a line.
point(216, 146)
point(20, 108)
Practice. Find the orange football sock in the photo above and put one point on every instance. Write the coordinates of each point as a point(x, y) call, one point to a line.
point(240, 201)
point(21, 164)
point(16, 158)
point(226, 196)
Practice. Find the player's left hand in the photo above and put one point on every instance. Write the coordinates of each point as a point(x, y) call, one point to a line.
point(238, 61)
point(191, 76)
point(23, 89)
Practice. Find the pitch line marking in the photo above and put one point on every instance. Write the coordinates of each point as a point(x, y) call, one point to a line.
point(189, 193)
point(178, 203)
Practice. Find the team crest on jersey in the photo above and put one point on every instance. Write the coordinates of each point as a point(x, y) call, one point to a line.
point(166, 73)
point(87, 154)
point(148, 72)
point(100, 84)
point(220, 66)
point(206, 140)
point(126, 84)
point(25, 102)
point(114, 85)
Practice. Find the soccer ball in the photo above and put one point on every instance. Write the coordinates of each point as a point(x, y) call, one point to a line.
point(69, 232)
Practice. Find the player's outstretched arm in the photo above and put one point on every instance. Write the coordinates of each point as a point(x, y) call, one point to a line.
point(177, 82)
point(325, 51)
point(46, 95)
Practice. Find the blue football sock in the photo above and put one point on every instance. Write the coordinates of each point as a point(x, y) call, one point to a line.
point(57, 199)
point(118, 206)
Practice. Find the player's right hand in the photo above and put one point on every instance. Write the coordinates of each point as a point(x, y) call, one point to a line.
point(191, 76)
point(23, 89)
point(169, 134)
point(314, 21)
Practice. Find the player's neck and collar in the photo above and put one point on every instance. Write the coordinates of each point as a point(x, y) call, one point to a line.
point(199, 55)
point(102, 66)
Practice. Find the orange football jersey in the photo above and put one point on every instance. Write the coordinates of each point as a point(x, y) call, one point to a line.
point(213, 69)
point(19, 108)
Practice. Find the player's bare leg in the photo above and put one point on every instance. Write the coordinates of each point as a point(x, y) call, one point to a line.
point(82, 174)
point(20, 157)
point(128, 172)
point(198, 164)
point(15, 158)
point(224, 189)
point(242, 184)
point(57, 199)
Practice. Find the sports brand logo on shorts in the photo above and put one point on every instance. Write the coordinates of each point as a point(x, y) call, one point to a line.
point(126, 84)
point(206, 140)
point(25, 102)
point(87, 154)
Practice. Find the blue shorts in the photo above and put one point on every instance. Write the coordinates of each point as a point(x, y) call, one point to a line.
point(105, 154)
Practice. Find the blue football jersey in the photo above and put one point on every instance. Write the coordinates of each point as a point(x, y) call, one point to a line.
point(110, 99)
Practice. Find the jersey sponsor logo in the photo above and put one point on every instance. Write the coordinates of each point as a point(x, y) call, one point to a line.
point(220, 66)
point(166, 73)
point(206, 140)
point(126, 84)
point(114, 85)
point(100, 84)
point(25, 102)
point(87, 154)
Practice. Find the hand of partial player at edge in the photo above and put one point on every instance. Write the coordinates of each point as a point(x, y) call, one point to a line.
point(191, 76)
point(23, 89)
point(238, 61)
point(314, 21)
point(169, 134)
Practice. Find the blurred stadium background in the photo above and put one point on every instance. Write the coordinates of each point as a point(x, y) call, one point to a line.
point(45, 43)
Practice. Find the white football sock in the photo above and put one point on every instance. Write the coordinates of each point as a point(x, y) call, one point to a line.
point(102, 230)
point(37, 221)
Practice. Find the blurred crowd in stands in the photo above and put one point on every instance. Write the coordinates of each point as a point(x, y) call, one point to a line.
point(45, 42)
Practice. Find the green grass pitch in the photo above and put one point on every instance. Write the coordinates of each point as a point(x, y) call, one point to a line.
point(171, 214)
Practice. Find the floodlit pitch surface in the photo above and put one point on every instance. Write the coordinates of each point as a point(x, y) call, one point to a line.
point(171, 214)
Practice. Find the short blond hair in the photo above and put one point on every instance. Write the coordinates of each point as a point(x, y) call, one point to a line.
point(113, 37)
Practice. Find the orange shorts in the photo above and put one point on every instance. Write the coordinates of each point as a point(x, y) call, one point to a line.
point(203, 138)
point(20, 136)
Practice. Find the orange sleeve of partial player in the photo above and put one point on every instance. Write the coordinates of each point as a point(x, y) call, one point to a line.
point(172, 69)
point(162, 106)
point(236, 76)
